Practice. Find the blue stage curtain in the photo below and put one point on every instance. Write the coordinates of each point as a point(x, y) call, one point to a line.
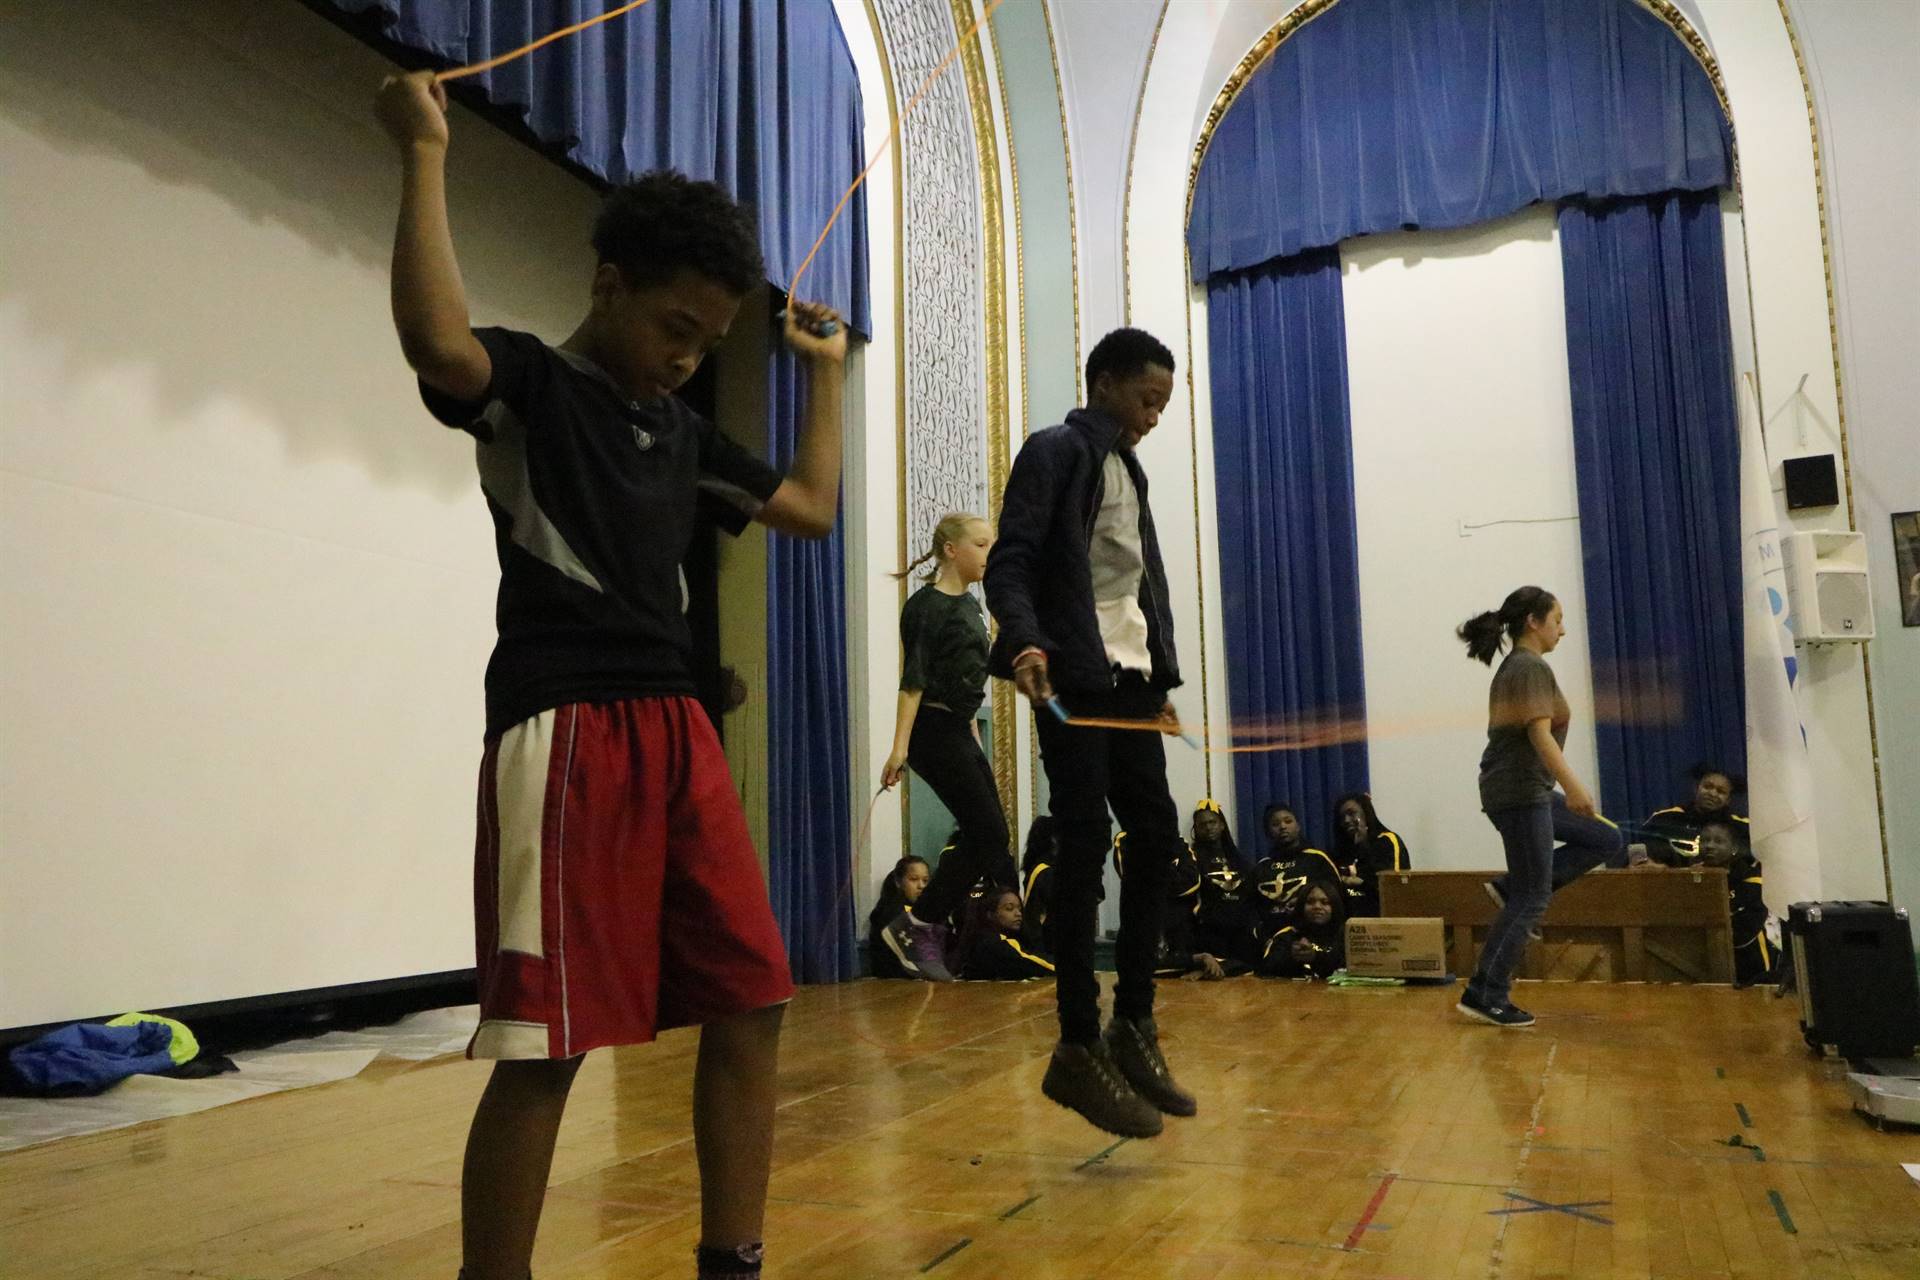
point(1388, 114)
point(1657, 451)
point(809, 805)
point(760, 96)
point(1289, 562)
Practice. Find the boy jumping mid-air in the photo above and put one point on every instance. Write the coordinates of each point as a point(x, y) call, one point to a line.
point(1077, 585)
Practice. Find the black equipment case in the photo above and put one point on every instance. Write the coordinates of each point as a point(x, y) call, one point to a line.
point(1853, 964)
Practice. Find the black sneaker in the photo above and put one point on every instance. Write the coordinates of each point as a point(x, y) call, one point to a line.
point(916, 946)
point(897, 933)
point(1498, 1015)
point(1083, 1079)
point(929, 952)
point(1135, 1048)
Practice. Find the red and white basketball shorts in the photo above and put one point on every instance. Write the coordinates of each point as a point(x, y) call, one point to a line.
point(616, 893)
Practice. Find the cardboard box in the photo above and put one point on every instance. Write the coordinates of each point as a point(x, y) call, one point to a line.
point(1405, 948)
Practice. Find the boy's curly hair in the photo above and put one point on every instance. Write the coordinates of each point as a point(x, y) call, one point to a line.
point(660, 223)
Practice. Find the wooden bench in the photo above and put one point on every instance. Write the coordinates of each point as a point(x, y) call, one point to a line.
point(1656, 924)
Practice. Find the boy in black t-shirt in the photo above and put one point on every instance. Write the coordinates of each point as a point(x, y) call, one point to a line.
point(616, 891)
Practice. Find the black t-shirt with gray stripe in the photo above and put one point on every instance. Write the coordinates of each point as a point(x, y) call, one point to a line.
point(593, 496)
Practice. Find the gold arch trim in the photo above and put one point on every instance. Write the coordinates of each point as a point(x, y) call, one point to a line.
point(1684, 30)
point(1019, 232)
point(993, 302)
point(1199, 559)
point(1026, 377)
point(1256, 57)
point(1073, 241)
point(1133, 145)
point(1066, 154)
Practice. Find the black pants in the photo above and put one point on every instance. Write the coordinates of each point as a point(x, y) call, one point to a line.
point(943, 752)
point(1088, 770)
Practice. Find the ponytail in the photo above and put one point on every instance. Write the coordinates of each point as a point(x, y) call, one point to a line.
point(1485, 634)
point(951, 528)
point(908, 571)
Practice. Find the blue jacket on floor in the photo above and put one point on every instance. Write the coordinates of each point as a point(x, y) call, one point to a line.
point(89, 1057)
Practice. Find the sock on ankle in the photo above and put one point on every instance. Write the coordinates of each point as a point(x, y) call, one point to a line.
point(735, 1262)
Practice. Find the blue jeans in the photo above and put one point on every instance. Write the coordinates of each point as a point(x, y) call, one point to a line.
point(1535, 870)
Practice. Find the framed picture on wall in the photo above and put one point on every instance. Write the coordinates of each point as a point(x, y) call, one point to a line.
point(1906, 563)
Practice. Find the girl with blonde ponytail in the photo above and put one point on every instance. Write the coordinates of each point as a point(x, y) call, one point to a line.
point(951, 536)
point(943, 681)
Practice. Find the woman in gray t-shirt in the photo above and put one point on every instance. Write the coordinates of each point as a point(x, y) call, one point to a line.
point(1527, 718)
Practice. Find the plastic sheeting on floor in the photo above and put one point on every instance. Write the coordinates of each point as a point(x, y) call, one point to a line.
point(297, 1064)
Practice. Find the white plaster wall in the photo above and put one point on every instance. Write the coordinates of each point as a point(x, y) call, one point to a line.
point(872, 494)
point(248, 595)
point(1787, 284)
point(1103, 54)
point(1462, 417)
point(1862, 57)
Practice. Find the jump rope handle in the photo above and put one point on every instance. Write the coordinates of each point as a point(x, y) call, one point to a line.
point(825, 329)
point(1053, 705)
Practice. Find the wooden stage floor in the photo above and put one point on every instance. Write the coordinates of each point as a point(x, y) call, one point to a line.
point(1341, 1133)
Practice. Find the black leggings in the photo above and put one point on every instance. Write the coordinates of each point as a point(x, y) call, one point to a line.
point(943, 752)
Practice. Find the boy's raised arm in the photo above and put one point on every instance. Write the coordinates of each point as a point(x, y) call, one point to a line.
point(808, 500)
point(429, 300)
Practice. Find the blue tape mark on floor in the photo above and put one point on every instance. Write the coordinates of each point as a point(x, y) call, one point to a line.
point(948, 1254)
point(1573, 1208)
point(1745, 1119)
point(1780, 1209)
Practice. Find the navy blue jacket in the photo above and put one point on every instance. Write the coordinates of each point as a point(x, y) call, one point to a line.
point(1040, 575)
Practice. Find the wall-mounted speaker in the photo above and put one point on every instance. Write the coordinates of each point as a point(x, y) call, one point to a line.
point(1827, 586)
point(1812, 481)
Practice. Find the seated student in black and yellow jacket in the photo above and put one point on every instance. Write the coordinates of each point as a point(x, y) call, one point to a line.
point(1364, 846)
point(1672, 835)
point(1314, 943)
point(1291, 864)
point(997, 873)
point(1754, 957)
point(1179, 954)
point(990, 945)
point(902, 889)
point(1227, 917)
